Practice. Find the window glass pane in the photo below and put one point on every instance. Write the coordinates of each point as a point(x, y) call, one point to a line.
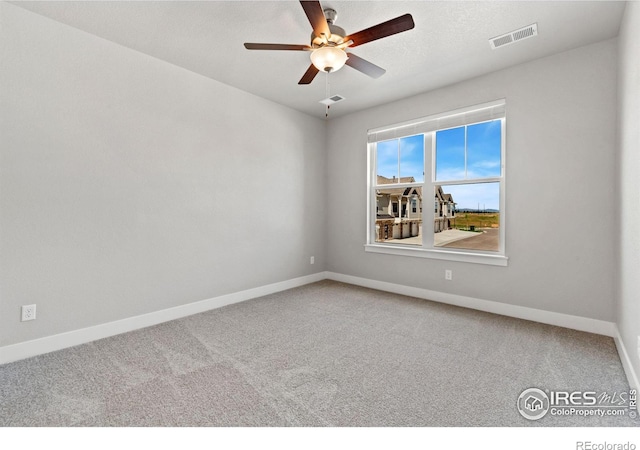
point(412, 159)
point(406, 232)
point(469, 216)
point(450, 149)
point(484, 149)
point(387, 161)
point(399, 215)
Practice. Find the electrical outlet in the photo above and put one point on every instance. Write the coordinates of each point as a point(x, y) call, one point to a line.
point(312, 260)
point(448, 274)
point(28, 312)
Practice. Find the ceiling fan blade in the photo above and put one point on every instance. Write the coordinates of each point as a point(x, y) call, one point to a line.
point(384, 29)
point(315, 14)
point(309, 75)
point(258, 46)
point(365, 66)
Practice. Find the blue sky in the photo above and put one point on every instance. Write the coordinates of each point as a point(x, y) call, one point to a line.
point(483, 152)
point(483, 159)
point(483, 155)
point(411, 158)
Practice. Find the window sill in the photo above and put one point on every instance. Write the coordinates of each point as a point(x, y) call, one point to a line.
point(447, 255)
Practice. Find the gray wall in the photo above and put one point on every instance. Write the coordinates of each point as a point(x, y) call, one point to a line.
point(129, 185)
point(561, 212)
point(628, 280)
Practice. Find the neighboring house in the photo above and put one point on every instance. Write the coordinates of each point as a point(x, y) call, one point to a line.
point(399, 202)
point(399, 209)
point(445, 211)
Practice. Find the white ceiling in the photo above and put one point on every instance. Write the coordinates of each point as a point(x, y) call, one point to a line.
point(448, 44)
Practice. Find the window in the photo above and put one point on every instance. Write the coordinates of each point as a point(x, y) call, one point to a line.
point(456, 157)
point(468, 168)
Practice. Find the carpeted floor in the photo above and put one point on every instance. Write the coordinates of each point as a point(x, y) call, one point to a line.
point(325, 354)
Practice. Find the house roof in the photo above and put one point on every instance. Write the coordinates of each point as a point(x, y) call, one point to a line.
point(443, 196)
point(402, 191)
point(399, 191)
point(385, 180)
point(448, 198)
point(408, 191)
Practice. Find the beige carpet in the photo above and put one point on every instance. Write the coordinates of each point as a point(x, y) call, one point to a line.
point(326, 354)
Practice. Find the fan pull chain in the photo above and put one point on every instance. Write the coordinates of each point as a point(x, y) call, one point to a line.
point(328, 94)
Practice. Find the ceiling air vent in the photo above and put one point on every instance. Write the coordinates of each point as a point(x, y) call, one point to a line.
point(331, 100)
point(514, 36)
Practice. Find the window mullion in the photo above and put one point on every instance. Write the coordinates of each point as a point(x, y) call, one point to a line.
point(427, 192)
point(398, 160)
point(465, 152)
point(371, 193)
point(471, 181)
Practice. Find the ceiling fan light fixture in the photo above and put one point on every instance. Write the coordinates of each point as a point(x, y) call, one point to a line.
point(329, 42)
point(328, 59)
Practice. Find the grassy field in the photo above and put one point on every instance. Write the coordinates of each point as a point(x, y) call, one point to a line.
point(464, 220)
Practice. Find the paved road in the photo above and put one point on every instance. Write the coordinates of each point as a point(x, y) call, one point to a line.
point(489, 239)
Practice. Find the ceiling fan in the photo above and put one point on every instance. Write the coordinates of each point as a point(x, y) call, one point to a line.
point(329, 42)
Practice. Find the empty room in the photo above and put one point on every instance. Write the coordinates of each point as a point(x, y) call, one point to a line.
point(319, 214)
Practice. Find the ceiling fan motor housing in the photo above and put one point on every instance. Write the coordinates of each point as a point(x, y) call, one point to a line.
point(331, 15)
point(337, 33)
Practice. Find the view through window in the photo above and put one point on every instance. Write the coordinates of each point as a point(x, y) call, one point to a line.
point(460, 169)
point(470, 157)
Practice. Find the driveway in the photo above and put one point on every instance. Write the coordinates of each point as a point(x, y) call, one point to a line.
point(489, 240)
point(446, 238)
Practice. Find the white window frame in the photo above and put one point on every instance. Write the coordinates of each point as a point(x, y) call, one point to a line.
point(428, 126)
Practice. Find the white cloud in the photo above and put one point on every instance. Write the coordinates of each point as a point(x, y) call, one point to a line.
point(472, 196)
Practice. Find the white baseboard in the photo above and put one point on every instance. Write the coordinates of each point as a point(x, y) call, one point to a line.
point(60, 341)
point(601, 327)
point(76, 337)
point(632, 377)
point(520, 312)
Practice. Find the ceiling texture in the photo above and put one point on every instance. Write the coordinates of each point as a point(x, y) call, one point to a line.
point(449, 44)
